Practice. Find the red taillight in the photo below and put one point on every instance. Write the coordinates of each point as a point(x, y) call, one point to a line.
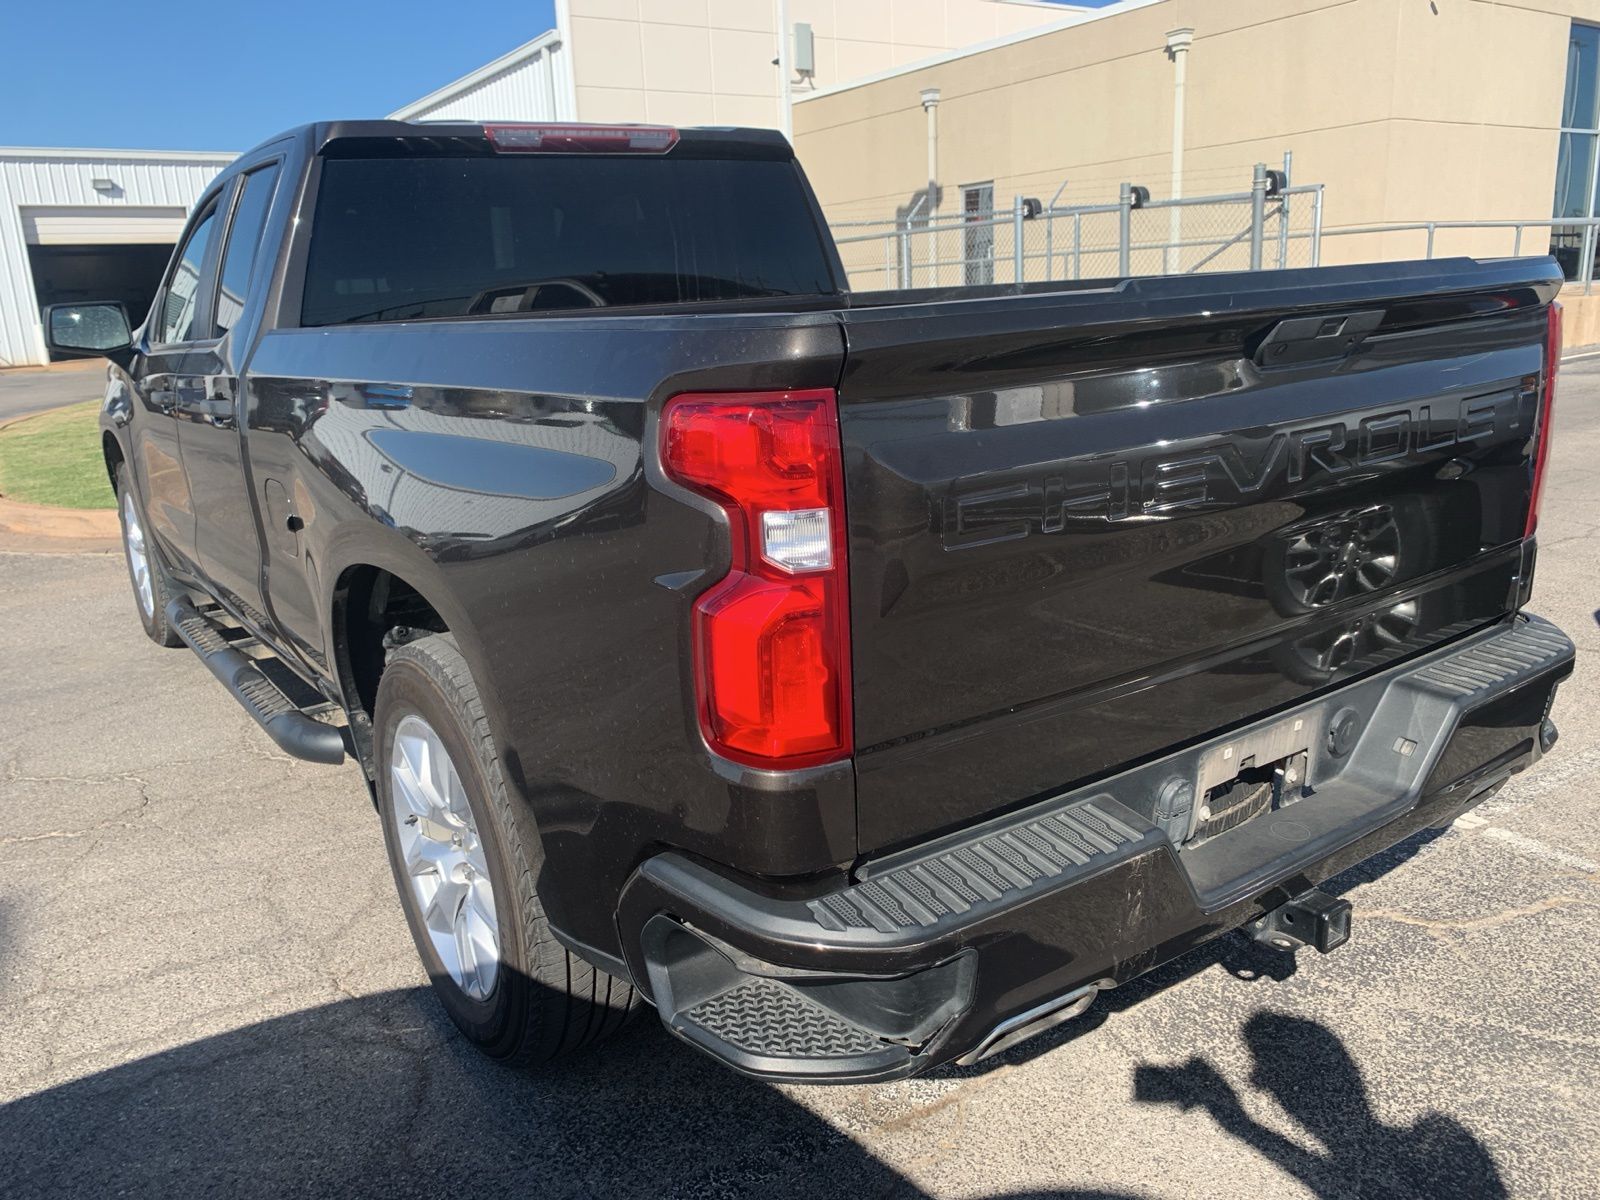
point(1543, 427)
point(772, 637)
point(582, 139)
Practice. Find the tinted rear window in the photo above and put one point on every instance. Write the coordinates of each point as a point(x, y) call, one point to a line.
point(401, 238)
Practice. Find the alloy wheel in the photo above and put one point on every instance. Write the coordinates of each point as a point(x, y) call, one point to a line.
point(445, 866)
point(138, 558)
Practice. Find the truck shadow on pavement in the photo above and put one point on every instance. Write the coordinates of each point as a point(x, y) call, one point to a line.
point(377, 1095)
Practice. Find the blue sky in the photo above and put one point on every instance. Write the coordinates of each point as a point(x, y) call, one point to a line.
point(207, 76)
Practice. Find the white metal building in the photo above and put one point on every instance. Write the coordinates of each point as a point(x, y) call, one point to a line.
point(532, 83)
point(88, 225)
point(101, 224)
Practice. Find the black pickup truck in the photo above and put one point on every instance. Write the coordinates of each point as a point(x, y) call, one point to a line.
point(864, 680)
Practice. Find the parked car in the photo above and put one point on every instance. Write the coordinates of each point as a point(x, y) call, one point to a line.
point(867, 681)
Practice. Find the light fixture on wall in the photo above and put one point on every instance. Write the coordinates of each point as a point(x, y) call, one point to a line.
point(106, 187)
point(805, 54)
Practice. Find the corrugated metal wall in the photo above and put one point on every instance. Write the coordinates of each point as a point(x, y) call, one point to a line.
point(53, 178)
point(533, 85)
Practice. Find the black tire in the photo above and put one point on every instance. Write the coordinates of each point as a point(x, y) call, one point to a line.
point(545, 1002)
point(156, 626)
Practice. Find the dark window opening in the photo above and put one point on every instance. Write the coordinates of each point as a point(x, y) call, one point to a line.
point(180, 305)
point(406, 238)
point(244, 242)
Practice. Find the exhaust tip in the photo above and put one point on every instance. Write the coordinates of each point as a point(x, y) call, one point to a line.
point(1033, 1022)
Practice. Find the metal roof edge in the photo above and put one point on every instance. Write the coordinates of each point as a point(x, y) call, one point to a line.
point(550, 37)
point(100, 154)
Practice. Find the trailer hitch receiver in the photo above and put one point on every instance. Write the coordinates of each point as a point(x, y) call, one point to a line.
point(1312, 918)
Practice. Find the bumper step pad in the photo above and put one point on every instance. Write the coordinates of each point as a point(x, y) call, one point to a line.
point(764, 1026)
point(987, 870)
point(294, 728)
point(1504, 661)
point(766, 1019)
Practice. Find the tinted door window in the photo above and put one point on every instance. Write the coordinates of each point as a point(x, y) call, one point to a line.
point(401, 238)
point(244, 244)
point(180, 303)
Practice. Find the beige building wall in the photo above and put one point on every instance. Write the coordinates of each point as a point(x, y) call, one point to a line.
point(1405, 110)
point(709, 62)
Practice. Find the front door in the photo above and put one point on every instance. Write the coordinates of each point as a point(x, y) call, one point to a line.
point(169, 336)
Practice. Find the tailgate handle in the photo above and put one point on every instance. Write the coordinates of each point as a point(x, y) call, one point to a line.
point(1304, 339)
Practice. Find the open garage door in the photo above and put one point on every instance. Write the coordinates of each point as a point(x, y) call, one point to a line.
point(69, 225)
point(91, 253)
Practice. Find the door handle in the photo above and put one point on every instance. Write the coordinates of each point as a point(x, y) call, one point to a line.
point(218, 405)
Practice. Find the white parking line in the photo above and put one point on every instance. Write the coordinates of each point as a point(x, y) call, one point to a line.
point(1523, 844)
point(1574, 357)
point(1534, 848)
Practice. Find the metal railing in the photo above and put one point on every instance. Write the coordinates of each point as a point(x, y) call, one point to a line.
point(1573, 241)
point(1272, 225)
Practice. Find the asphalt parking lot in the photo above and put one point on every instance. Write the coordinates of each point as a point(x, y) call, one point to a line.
point(208, 987)
point(32, 390)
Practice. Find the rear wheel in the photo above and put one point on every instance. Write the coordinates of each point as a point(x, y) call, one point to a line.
point(465, 862)
point(151, 591)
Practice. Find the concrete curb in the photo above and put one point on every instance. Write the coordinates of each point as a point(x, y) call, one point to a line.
point(83, 528)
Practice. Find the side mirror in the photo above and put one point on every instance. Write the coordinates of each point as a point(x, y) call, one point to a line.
point(96, 327)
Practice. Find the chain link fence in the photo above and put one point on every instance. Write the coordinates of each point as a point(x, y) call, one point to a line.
point(1271, 225)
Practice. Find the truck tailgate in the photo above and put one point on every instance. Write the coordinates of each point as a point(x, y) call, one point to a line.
point(1087, 526)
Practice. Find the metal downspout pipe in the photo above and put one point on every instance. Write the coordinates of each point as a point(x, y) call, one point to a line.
point(930, 105)
point(785, 75)
point(1178, 43)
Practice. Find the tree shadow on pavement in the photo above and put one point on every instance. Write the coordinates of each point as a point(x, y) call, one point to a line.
point(379, 1096)
point(1305, 1068)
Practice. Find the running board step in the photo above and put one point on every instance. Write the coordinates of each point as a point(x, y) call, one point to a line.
point(289, 726)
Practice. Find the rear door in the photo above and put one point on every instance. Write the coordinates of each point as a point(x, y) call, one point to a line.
point(1089, 526)
point(210, 403)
